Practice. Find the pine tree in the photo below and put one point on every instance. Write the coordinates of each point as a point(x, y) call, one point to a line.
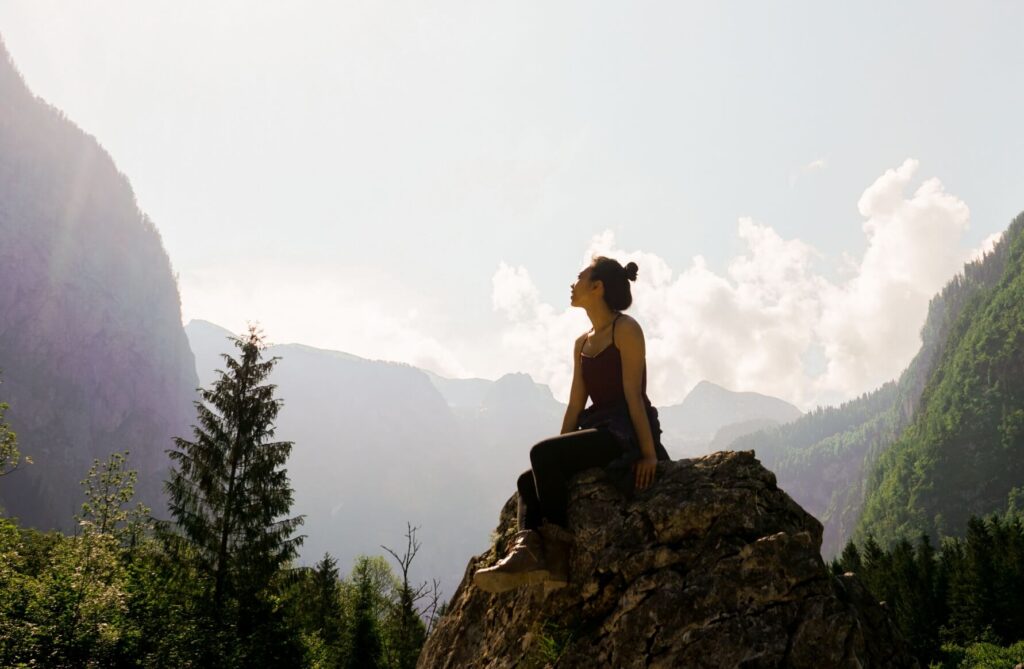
point(971, 582)
point(875, 569)
point(930, 600)
point(365, 637)
point(327, 610)
point(850, 559)
point(230, 495)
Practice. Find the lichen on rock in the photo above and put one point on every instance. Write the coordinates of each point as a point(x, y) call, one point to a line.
point(712, 566)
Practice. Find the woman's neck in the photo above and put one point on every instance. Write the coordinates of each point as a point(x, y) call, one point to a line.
point(601, 318)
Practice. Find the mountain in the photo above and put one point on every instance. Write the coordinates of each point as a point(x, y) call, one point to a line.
point(377, 444)
point(690, 427)
point(963, 452)
point(713, 566)
point(825, 459)
point(93, 357)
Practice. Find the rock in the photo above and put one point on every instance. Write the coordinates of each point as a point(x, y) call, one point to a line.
point(712, 566)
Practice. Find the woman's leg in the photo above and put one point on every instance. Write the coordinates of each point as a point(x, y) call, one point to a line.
point(528, 512)
point(554, 462)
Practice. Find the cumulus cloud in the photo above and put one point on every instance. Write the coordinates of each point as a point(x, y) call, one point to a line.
point(770, 322)
point(513, 292)
point(986, 245)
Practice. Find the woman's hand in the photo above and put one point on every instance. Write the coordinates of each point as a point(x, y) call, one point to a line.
point(644, 470)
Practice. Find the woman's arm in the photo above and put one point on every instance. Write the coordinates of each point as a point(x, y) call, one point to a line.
point(630, 342)
point(578, 393)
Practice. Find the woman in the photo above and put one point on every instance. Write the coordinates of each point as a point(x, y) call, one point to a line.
point(619, 431)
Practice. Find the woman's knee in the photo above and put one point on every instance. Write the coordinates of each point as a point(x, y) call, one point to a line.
point(543, 450)
point(525, 481)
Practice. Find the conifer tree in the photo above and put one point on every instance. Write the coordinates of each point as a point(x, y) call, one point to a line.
point(365, 647)
point(230, 495)
point(327, 611)
point(850, 558)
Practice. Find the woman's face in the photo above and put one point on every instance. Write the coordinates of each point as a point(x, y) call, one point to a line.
point(582, 289)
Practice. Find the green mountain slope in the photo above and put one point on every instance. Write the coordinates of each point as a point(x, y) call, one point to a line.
point(964, 451)
point(824, 459)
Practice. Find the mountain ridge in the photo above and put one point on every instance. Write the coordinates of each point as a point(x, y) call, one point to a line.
point(826, 458)
point(93, 355)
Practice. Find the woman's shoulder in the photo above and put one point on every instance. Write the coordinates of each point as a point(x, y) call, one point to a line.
point(627, 323)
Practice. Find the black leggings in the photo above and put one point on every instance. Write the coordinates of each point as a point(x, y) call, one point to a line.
point(543, 490)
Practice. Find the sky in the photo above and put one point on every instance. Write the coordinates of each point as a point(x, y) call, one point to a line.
point(422, 182)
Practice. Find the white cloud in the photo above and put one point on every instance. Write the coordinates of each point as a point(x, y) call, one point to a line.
point(513, 293)
point(757, 325)
point(986, 246)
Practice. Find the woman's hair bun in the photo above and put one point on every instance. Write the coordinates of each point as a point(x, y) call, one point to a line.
point(631, 269)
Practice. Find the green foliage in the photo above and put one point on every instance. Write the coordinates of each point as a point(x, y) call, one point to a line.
point(966, 592)
point(370, 581)
point(109, 486)
point(314, 606)
point(980, 655)
point(67, 600)
point(895, 462)
point(115, 595)
point(10, 457)
point(963, 453)
point(229, 497)
point(407, 629)
point(550, 642)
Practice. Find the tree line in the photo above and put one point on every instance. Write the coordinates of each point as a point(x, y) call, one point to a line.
point(216, 583)
point(958, 602)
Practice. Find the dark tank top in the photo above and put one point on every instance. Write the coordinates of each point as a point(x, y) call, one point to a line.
point(602, 375)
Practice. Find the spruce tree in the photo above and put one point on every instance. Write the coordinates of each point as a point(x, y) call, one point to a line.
point(328, 616)
point(850, 559)
point(230, 495)
point(365, 647)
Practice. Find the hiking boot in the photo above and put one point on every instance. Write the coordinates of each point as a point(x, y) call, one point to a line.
point(522, 566)
point(557, 543)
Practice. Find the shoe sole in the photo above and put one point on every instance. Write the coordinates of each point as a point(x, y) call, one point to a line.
point(503, 582)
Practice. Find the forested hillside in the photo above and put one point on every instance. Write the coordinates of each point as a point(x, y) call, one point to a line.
point(823, 459)
point(963, 453)
point(93, 357)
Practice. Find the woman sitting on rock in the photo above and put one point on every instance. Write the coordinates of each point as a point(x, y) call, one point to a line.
point(619, 431)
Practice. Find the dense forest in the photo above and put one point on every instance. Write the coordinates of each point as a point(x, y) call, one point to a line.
point(958, 604)
point(963, 454)
point(216, 583)
point(828, 459)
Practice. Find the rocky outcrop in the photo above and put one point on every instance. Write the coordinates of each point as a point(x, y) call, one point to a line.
point(713, 566)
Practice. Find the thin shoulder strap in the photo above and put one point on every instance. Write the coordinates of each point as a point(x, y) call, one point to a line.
point(613, 329)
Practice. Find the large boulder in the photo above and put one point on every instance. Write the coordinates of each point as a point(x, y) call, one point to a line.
point(712, 566)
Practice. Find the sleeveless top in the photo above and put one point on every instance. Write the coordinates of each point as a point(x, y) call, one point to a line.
point(602, 376)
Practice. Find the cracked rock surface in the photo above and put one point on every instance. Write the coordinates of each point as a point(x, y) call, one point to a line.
point(712, 566)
